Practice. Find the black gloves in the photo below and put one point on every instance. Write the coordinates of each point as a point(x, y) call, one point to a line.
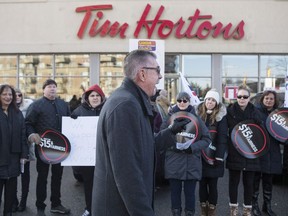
point(179, 125)
point(74, 116)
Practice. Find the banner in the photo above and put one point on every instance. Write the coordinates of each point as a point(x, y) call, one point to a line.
point(194, 100)
point(54, 147)
point(82, 135)
point(250, 139)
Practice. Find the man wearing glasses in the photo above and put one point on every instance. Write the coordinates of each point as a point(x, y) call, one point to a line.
point(125, 150)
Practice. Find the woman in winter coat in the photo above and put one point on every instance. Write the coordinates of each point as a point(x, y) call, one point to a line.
point(213, 113)
point(23, 104)
point(241, 110)
point(185, 166)
point(270, 162)
point(92, 102)
point(13, 145)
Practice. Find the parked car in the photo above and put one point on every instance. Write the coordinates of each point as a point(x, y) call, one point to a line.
point(255, 99)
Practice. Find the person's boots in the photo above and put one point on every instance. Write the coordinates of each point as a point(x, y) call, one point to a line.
point(255, 207)
point(204, 208)
point(247, 210)
point(211, 210)
point(233, 209)
point(189, 212)
point(176, 212)
point(267, 203)
point(22, 205)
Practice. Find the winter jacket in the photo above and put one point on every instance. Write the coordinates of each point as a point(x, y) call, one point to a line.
point(184, 165)
point(271, 162)
point(236, 161)
point(125, 155)
point(43, 114)
point(219, 140)
point(13, 142)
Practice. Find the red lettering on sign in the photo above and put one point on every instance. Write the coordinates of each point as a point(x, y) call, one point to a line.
point(105, 28)
point(163, 27)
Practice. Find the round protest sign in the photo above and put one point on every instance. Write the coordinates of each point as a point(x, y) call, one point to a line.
point(208, 154)
point(54, 147)
point(277, 124)
point(192, 131)
point(250, 139)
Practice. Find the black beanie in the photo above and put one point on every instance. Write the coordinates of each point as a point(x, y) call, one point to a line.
point(49, 82)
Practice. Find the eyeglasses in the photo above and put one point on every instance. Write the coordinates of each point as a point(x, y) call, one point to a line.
point(18, 95)
point(242, 96)
point(180, 100)
point(153, 68)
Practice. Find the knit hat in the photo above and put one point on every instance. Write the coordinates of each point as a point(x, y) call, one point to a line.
point(212, 94)
point(183, 95)
point(49, 82)
point(95, 88)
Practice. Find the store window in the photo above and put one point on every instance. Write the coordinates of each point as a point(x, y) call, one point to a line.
point(8, 70)
point(33, 71)
point(111, 72)
point(197, 70)
point(239, 70)
point(273, 69)
point(72, 74)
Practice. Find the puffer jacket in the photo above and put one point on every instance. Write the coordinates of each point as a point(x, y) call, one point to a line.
point(235, 161)
point(219, 141)
point(43, 114)
point(184, 165)
point(271, 162)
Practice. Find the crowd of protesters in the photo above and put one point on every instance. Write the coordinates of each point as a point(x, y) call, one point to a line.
point(129, 131)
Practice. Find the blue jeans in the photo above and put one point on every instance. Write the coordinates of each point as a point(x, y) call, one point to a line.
point(189, 192)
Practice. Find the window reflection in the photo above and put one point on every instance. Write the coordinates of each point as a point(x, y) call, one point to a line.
point(111, 72)
point(273, 71)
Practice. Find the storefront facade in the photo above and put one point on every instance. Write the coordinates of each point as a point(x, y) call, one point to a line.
point(216, 44)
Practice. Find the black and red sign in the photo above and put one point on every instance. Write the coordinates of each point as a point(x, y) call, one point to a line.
point(250, 140)
point(54, 147)
point(192, 131)
point(277, 124)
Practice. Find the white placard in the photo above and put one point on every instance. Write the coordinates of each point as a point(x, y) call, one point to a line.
point(155, 46)
point(81, 133)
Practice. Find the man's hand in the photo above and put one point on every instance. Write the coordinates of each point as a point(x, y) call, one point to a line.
point(34, 138)
point(179, 125)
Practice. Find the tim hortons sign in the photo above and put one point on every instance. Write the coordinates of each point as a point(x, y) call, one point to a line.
point(195, 26)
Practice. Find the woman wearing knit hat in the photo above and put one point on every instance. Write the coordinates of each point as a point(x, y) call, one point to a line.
point(184, 165)
point(93, 100)
point(213, 113)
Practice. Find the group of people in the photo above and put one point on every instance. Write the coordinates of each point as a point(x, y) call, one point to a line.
point(22, 123)
point(123, 183)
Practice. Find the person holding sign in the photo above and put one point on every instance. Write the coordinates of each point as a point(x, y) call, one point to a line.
point(270, 162)
point(125, 147)
point(92, 102)
point(46, 113)
point(184, 164)
point(13, 146)
point(213, 113)
point(236, 163)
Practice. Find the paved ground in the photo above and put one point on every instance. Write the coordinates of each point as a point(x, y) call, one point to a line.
point(73, 197)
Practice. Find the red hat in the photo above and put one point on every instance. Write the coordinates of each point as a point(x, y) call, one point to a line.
point(97, 89)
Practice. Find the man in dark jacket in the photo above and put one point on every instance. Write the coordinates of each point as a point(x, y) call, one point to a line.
point(46, 113)
point(125, 151)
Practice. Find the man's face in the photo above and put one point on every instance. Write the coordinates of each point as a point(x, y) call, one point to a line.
point(50, 91)
point(153, 76)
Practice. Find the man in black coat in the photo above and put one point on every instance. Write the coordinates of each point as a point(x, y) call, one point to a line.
point(46, 113)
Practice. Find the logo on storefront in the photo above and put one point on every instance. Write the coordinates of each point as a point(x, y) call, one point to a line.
point(195, 26)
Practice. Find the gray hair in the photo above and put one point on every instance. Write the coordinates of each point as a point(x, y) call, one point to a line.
point(135, 60)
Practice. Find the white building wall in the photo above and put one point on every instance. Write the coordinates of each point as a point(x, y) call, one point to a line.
point(51, 26)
